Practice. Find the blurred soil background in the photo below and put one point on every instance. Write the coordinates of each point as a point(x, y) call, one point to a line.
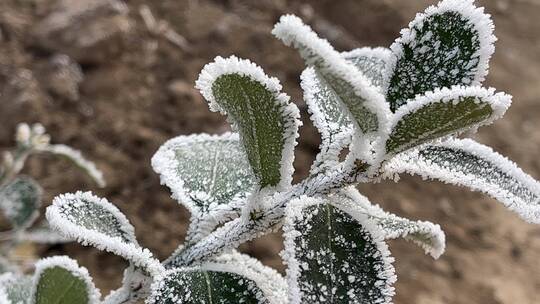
point(115, 80)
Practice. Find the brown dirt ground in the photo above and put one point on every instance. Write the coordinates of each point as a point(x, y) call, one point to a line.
point(137, 92)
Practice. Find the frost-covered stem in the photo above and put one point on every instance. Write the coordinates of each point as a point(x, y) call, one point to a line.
point(11, 167)
point(134, 287)
point(122, 295)
point(8, 240)
point(243, 229)
point(14, 165)
point(6, 235)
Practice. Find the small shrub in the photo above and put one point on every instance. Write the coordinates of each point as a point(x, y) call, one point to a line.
point(397, 110)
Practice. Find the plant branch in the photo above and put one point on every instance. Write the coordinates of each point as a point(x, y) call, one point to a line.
point(15, 165)
point(245, 228)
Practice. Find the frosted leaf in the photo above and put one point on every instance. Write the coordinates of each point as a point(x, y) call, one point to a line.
point(196, 286)
point(328, 116)
point(448, 45)
point(77, 159)
point(20, 201)
point(96, 222)
point(364, 102)
point(473, 165)
point(444, 112)
point(268, 280)
point(91, 213)
point(15, 289)
point(327, 112)
point(60, 280)
point(263, 116)
point(229, 278)
point(427, 235)
point(209, 174)
point(205, 170)
point(371, 61)
point(334, 258)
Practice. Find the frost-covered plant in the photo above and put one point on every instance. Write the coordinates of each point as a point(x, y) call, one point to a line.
point(396, 110)
point(20, 202)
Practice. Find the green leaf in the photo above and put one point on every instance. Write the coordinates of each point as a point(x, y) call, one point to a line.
point(444, 112)
point(427, 235)
point(364, 102)
point(15, 289)
point(209, 174)
point(91, 213)
point(196, 286)
point(60, 280)
point(328, 113)
point(20, 201)
point(96, 222)
point(470, 164)
point(263, 116)
point(371, 62)
point(333, 258)
point(447, 45)
point(229, 278)
point(329, 117)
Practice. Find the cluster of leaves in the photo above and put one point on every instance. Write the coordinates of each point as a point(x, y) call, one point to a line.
point(396, 110)
point(20, 202)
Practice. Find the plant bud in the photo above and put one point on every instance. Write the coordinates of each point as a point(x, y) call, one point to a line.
point(23, 133)
point(38, 129)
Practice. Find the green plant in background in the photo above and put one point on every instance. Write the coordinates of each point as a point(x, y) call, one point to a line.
point(20, 202)
point(397, 110)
